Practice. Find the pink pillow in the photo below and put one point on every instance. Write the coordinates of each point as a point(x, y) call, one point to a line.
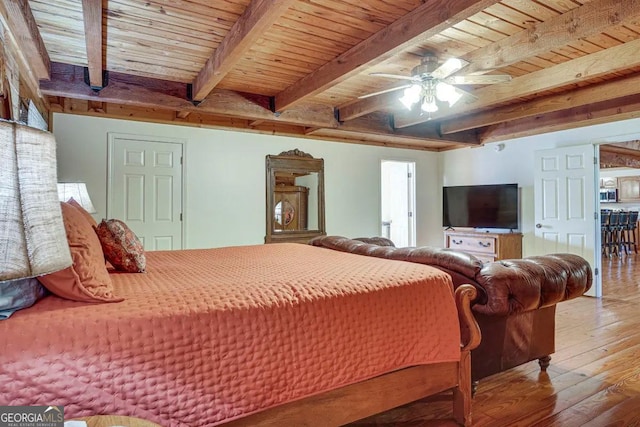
point(121, 246)
point(87, 279)
point(83, 211)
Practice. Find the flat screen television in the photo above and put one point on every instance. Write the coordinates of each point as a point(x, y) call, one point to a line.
point(480, 206)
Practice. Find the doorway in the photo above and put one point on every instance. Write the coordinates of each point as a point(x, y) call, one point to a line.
point(398, 195)
point(144, 188)
point(619, 198)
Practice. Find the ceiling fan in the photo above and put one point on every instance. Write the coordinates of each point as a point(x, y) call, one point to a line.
point(431, 81)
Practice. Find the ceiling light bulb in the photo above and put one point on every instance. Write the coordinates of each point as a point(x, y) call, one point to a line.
point(406, 102)
point(429, 106)
point(447, 93)
point(411, 96)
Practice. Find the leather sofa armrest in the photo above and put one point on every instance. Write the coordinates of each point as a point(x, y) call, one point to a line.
point(518, 285)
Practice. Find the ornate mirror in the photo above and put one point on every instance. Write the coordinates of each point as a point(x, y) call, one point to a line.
point(295, 197)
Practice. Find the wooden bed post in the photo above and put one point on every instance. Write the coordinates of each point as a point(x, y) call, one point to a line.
point(470, 338)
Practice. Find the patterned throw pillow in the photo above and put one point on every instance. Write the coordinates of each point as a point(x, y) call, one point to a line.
point(121, 246)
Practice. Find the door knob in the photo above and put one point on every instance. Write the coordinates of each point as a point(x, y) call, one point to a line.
point(538, 225)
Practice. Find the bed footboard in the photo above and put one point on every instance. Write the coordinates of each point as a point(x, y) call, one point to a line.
point(354, 402)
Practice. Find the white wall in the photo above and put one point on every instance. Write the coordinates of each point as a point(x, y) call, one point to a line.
point(225, 179)
point(514, 164)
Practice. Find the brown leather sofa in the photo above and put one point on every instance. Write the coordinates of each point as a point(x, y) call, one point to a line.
point(516, 302)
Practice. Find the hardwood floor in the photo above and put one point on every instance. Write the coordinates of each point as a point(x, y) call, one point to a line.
point(593, 379)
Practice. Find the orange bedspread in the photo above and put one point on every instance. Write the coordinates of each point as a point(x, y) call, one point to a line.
point(206, 336)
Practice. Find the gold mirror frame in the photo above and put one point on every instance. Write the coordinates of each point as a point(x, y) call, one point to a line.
point(295, 163)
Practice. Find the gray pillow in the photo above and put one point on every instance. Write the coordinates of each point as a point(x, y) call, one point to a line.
point(18, 294)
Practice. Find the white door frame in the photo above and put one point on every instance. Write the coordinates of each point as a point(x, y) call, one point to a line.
point(112, 136)
point(598, 252)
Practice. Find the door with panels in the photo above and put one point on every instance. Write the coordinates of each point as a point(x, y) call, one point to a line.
point(565, 203)
point(145, 188)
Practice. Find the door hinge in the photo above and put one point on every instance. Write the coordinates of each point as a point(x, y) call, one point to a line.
point(595, 215)
point(595, 160)
point(596, 272)
point(181, 159)
point(410, 214)
point(180, 216)
point(409, 175)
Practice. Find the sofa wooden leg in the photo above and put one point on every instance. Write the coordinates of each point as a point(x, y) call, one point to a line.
point(474, 388)
point(544, 363)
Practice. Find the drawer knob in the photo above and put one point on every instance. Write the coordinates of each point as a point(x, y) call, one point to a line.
point(456, 242)
point(484, 245)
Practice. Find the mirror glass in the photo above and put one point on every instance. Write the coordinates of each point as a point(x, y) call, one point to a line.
point(295, 197)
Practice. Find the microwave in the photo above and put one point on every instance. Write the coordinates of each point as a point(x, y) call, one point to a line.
point(608, 195)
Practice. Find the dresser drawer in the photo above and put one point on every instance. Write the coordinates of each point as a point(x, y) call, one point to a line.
point(485, 245)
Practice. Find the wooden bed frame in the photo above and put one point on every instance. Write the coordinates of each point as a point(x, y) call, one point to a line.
point(354, 402)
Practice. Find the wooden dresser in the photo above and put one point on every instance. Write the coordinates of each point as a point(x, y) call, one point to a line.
point(486, 246)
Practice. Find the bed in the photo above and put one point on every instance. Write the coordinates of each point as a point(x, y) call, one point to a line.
point(251, 335)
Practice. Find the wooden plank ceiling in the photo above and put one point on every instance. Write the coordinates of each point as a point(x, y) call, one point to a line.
point(298, 67)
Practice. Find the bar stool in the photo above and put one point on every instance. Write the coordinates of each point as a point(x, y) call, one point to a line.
point(630, 232)
point(605, 215)
point(612, 233)
point(623, 220)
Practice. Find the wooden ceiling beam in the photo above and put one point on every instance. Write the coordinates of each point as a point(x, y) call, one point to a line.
point(257, 18)
point(68, 81)
point(205, 120)
point(380, 124)
point(589, 19)
point(602, 112)
point(584, 21)
point(341, 135)
point(607, 61)
point(629, 145)
point(92, 14)
point(24, 30)
point(367, 105)
point(425, 21)
point(624, 86)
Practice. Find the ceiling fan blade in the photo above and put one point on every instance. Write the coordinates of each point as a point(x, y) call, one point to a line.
point(383, 91)
point(486, 79)
point(395, 76)
point(468, 95)
point(449, 67)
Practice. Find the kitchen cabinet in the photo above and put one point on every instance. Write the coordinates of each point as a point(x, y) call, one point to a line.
point(629, 189)
point(608, 182)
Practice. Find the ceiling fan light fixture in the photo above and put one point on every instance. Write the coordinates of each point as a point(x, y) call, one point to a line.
point(412, 95)
point(429, 105)
point(447, 93)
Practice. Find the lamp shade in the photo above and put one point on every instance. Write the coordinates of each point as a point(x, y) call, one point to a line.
point(77, 190)
point(33, 241)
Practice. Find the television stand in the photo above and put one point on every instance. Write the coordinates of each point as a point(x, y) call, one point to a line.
point(487, 246)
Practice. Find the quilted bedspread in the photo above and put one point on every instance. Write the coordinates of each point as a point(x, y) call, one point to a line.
point(206, 336)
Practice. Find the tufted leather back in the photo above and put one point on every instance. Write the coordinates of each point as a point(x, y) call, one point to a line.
point(504, 287)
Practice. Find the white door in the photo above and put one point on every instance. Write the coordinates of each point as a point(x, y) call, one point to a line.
point(565, 205)
point(145, 188)
point(398, 201)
